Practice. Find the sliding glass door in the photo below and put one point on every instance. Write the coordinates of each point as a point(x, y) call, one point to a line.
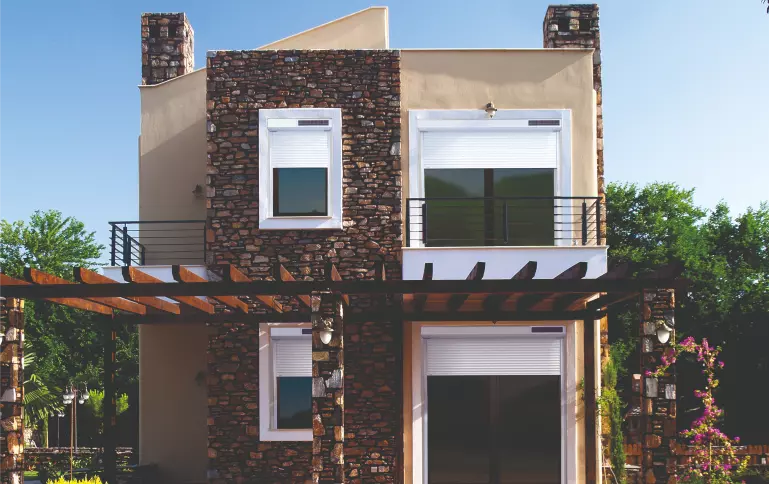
point(494, 429)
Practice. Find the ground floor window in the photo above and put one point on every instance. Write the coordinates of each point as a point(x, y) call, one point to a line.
point(285, 382)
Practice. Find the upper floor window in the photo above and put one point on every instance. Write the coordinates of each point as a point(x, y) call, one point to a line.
point(300, 168)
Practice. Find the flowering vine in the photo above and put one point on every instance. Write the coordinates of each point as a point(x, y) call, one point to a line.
point(714, 459)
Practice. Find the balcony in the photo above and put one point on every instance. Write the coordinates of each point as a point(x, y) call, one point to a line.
point(157, 242)
point(504, 221)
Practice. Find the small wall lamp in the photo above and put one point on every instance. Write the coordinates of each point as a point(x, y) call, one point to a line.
point(491, 110)
point(665, 327)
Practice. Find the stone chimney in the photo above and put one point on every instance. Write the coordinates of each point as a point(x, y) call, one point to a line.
point(167, 47)
point(576, 26)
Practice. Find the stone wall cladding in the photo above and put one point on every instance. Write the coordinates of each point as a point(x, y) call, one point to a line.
point(365, 84)
point(167, 47)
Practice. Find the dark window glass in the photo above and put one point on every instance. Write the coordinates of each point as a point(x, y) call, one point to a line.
point(494, 429)
point(490, 213)
point(294, 402)
point(300, 191)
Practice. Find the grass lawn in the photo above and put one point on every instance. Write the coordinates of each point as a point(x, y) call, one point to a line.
point(30, 475)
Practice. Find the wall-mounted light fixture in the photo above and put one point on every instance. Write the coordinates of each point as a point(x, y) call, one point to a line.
point(665, 326)
point(491, 110)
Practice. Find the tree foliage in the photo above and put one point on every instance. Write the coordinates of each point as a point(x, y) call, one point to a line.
point(727, 260)
point(66, 341)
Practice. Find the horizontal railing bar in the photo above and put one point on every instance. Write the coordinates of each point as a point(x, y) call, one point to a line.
point(157, 222)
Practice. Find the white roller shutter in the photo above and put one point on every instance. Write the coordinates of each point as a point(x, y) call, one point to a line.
point(498, 148)
point(493, 356)
point(293, 356)
point(300, 148)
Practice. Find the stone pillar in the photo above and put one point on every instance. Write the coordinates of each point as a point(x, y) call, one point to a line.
point(658, 400)
point(576, 26)
point(327, 390)
point(167, 47)
point(11, 391)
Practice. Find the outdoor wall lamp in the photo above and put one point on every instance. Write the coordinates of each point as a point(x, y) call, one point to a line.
point(665, 327)
point(491, 110)
point(323, 326)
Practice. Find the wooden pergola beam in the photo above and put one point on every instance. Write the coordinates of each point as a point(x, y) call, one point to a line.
point(183, 275)
point(281, 274)
point(456, 301)
point(332, 274)
point(420, 299)
point(134, 275)
point(39, 277)
point(495, 301)
point(85, 276)
point(529, 301)
point(71, 302)
point(232, 274)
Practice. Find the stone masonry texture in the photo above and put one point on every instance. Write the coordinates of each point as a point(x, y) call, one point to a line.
point(365, 84)
point(12, 384)
point(167, 47)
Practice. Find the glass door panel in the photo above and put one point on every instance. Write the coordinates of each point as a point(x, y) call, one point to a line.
point(458, 430)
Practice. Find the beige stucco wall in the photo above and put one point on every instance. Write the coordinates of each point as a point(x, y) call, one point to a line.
point(173, 432)
point(366, 29)
point(173, 407)
point(512, 79)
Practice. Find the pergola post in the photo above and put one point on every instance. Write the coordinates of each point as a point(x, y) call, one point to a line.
point(327, 389)
point(658, 400)
point(591, 412)
point(109, 334)
point(12, 396)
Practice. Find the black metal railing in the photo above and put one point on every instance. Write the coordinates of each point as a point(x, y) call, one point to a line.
point(153, 242)
point(504, 221)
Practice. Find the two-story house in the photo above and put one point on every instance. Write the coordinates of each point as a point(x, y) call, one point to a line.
point(329, 146)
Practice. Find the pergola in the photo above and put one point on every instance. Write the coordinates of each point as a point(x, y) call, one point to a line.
point(235, 298)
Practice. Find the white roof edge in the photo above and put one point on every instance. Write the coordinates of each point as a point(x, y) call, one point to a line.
point(144, 86)
point(387, 27)
point(513, 49)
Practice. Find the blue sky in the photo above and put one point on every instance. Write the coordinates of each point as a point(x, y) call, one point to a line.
point(686, 97)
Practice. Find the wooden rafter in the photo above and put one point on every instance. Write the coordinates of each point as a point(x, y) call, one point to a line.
point(134, 275)
point(495, 301)
point(530, 302)
point(456, 301)
point(86, 276)
point(282, 274)
point(232, 274)
point(72, 302)
point(332, 274)
point(39, 277)
point(183, 275)
point(421, 299)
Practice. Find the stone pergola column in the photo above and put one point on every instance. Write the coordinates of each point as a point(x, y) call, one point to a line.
point(12, 390)
point(658, 399)
point(327, 389)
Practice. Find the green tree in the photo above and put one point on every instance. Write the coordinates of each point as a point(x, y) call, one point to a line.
point(727, 260)
point(67, 341)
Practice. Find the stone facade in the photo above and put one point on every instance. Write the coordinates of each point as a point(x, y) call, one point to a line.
point(12, 386)
point(658, 394)
point(365, 84)
point(167, 47)
point(576, 26)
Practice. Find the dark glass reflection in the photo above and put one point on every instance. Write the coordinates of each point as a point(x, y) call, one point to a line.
point(494, 429)
point(458, 430)
point(294, 402)
point(300, 191)
point(483, 222)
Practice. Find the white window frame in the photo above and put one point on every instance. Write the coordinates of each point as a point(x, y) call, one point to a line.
point(333, 220)
point(421, 120)
point(267, 383)
point(419, 414)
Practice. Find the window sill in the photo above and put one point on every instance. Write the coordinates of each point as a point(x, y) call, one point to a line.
point(273, 435)
point(300, 223)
